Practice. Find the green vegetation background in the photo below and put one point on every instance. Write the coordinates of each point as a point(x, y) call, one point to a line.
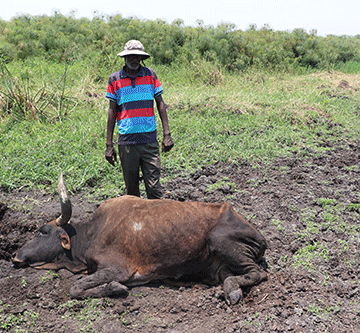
point(231, 94)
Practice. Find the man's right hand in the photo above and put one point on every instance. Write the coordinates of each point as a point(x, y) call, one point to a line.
point(110, 154)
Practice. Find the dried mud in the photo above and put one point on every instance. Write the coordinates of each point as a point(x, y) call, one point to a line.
point(307, 206)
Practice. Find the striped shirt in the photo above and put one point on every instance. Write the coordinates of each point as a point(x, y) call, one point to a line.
point(135, 104)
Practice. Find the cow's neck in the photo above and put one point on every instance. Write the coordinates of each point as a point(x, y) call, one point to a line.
point(80, 240)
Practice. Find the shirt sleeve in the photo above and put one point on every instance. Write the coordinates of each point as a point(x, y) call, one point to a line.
point(110, 91)
point(158, 89)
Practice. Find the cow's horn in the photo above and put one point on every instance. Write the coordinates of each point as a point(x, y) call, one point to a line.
point(65, 204)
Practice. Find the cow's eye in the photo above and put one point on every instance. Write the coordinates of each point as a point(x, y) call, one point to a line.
point(43, 231)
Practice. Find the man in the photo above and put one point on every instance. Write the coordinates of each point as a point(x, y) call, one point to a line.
point(131, 92)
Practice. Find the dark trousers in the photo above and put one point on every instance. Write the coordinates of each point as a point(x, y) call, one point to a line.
point(146, 157)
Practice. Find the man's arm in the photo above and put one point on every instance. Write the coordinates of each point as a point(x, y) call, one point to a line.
point(110, 153)
point(167, 143)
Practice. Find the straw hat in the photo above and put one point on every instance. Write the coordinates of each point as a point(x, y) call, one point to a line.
point(134, 47)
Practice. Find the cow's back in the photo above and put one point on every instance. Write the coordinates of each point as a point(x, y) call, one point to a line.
point(154, 233)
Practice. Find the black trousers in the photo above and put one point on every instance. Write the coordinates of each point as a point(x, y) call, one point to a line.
point(146, 157)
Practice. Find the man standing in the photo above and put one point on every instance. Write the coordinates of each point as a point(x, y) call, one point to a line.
point(131, 92)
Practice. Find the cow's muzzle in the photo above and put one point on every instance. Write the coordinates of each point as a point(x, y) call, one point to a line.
point(17, 262)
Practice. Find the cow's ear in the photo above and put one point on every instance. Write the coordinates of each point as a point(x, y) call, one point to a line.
point(65, 241)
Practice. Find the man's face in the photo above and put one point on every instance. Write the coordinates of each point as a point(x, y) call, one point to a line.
point(132, 61)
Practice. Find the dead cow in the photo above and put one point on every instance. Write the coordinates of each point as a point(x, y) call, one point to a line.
point(131, 241)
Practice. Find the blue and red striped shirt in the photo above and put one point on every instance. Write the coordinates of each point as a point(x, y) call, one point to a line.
point(135, 101)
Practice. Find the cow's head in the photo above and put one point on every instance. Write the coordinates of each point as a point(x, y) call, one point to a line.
point(50, 242)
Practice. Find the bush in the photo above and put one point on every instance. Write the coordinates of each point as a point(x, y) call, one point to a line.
point(59, 38)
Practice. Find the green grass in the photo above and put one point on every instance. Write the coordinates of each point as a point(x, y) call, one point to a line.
point(253, 115)
point(305, 256)
point(85, 313)
point(17, 322)
point(49, 276)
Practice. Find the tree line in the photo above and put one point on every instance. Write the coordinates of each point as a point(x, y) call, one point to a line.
point(61, 38)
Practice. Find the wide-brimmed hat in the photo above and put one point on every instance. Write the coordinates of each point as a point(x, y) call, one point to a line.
point(134, 47)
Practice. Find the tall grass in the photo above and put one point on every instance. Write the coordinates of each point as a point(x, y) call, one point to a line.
point(254, 115)
point(29, 95)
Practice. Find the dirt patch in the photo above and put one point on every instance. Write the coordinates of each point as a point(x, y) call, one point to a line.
point(307, 206)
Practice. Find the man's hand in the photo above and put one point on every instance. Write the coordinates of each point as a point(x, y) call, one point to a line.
point(167, 143)
point(110, 154)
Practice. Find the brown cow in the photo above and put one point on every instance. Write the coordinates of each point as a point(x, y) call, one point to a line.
point(131, 241)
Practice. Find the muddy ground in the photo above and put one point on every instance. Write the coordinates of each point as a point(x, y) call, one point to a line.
point(308, 208)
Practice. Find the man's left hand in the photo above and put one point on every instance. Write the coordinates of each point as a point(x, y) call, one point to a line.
point(167, 143)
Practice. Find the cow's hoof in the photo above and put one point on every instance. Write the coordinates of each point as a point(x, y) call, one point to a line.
point(233, 297)
point(233, 293)
point(116, 289)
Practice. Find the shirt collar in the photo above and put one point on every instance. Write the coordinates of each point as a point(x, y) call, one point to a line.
point(124, 75)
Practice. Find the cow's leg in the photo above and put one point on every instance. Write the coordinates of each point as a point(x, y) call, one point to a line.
point(239, 269)
point(102, 283)
point(252, 278)
point(232, 290)
point(233, 284)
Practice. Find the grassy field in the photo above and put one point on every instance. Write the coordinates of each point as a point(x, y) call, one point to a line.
point(306, 205)
point(214, 116)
